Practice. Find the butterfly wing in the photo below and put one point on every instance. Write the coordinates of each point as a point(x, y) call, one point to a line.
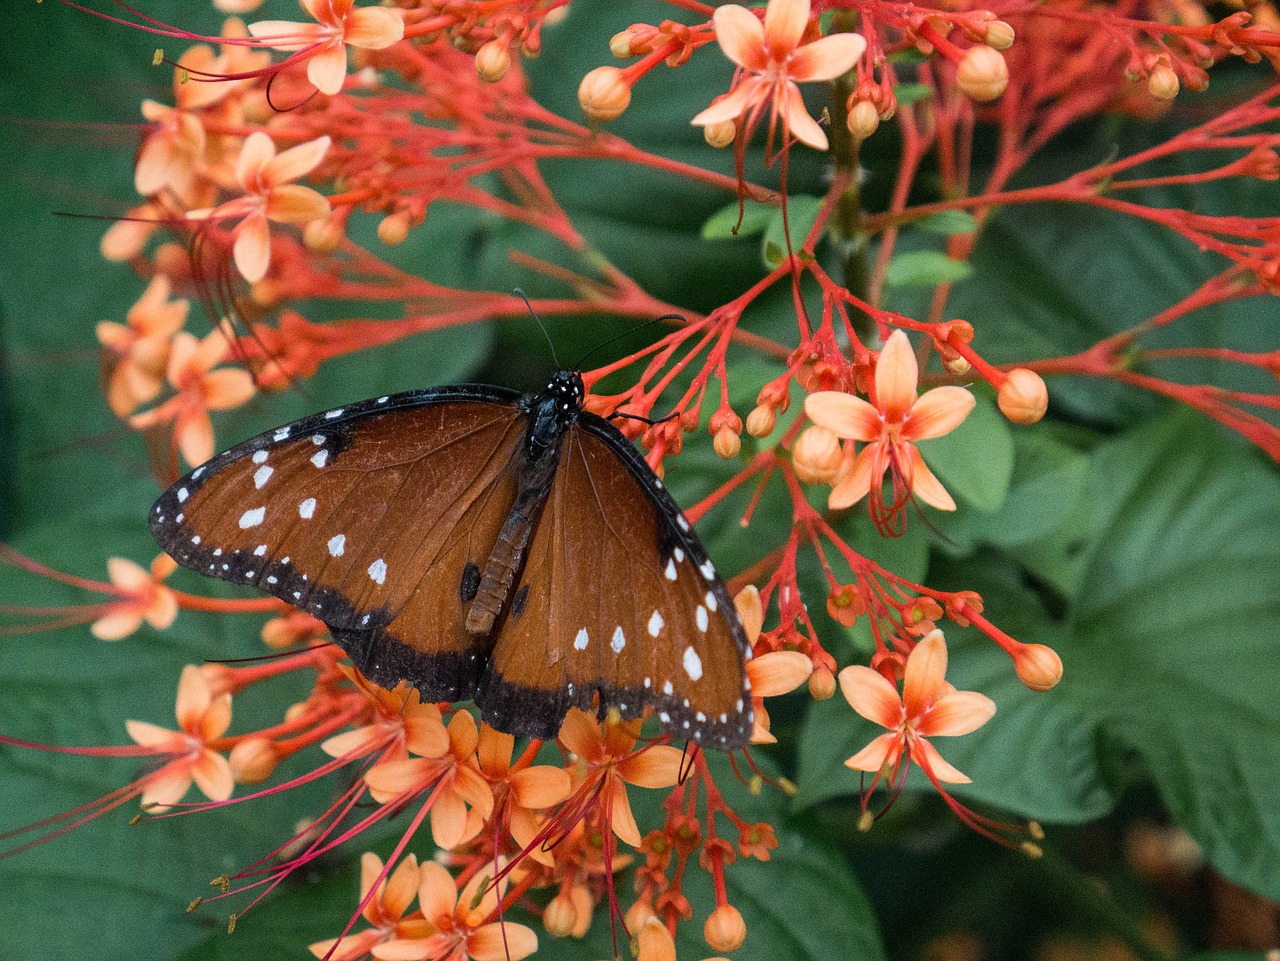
point(617, 597)
point(370, 517)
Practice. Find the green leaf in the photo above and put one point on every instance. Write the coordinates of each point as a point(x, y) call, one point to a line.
point(800, 216)
point(1174, 629)
point(925, 268)
point(948, 222)
point(912, 92)
point(974, 461)
point(729, 221)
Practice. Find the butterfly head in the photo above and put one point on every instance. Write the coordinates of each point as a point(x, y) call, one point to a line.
point(567, 390)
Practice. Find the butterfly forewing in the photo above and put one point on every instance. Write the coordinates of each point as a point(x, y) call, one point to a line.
point(356, 516)
point(619, 599)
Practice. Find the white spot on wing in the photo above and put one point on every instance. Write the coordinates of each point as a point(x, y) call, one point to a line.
point(281, 434)
point(252, 518)
point(337, 544)
point(182, 495)
point(317, 439)
point(619, 640)
point(320, 456)
point(260, 550)
point(678, 553)
point(333, 413)
point(692, 663)
point(684, 524)
point(711, 600)
point(703, 620)
point(708, 569)
point(667, 688)
point(580, 642)
point(378, 571)
point(307, 509)
point(655, 624)
point(259, 456)
point(670, 572)
point(262, 474)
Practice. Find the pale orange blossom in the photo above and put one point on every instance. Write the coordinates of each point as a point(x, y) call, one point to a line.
point(385, 910)
point(202, 718)
point(928, 707)
point(200, 389)
point(890, 426)
point(521, 796)
point(774, 61)
point(142, 597)
point(772, 673)
point(265, 177)
point(138, 349)
point(610, 756)
point(339, 24)
point(461, 930)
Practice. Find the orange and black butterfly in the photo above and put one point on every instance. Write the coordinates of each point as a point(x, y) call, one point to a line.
point(480, 544)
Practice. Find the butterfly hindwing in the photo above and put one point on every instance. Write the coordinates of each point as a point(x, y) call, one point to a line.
point(357, 516)
point(620, 600)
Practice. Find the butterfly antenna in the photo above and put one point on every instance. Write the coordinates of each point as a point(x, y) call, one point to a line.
point(542, 327)
point(627, 333)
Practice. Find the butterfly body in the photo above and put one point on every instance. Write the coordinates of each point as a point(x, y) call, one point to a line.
point(516, 550)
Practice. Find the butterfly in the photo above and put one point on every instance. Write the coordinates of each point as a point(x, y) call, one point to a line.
point(514, 550)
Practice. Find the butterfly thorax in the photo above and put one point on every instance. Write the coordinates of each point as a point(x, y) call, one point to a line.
point(551, 412)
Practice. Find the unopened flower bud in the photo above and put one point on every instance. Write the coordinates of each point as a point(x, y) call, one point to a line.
point(493, 60)
point(637, 915)
point(725, 929)
point(822, 684)
point(1023, 397)
point(761, 421)
point(394, 228)
point(620, 45)
point(323, 235)
point(560, 917)
point(720, 134)
point(727, 443)
point(999, 35)
point(982, 74)
point(1163, 83)
point(253, 760)
point(654, 942)
point(816, 455)
point(604, 93)
point(1038, 667)
point(864, 119)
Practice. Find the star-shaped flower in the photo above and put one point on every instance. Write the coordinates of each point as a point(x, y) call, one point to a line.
point(339, 24)
point(774, 60)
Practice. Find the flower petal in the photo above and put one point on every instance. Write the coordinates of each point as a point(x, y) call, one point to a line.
point(286, 34)
point(580, 734)
point(620, 816)
point(295, 204)
point(541, 786)
point(796, 119)
point(959, 712)
point(883, 750)
point(194, 433)
point(897, 374)
point(213, 776)
point(927, 756)
point(854, 486)
point(448, 820)
point(734, 104)
point(925, 674)
point(194, 697)
point(327, 68)
point(871, 695)
point(373, 28)
point(227, 389)
point(741, 37)
point(437, 893)
point(784, 25)
point(401, 886)
point(153, 735)
point(925, 485)
point(168, 786)
point(255, 154)
point(778, 672)
point(937, 412)
point(296, 162)
point(846, 416)
point(827, 58)
point(504, 941)
point(657, 766)
point(116, 624)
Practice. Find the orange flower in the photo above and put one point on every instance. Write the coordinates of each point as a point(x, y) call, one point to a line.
point(775, 60)
point(521, 795)
point(138, 349)
point(770, 674)
point(265, 178)
point(455, 778)
point(143, 597)
point(928, 707)
point(202, 718)
point(385, 911)
point(890, 427)
point(402, 723)
point(611, 761)
point(200, 389)
point(339, 24)
point(459, 923)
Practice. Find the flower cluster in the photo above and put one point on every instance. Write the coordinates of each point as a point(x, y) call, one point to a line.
point(274, 148)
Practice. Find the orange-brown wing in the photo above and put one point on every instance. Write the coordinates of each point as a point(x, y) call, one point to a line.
point(618, 600)
point(366, 517)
